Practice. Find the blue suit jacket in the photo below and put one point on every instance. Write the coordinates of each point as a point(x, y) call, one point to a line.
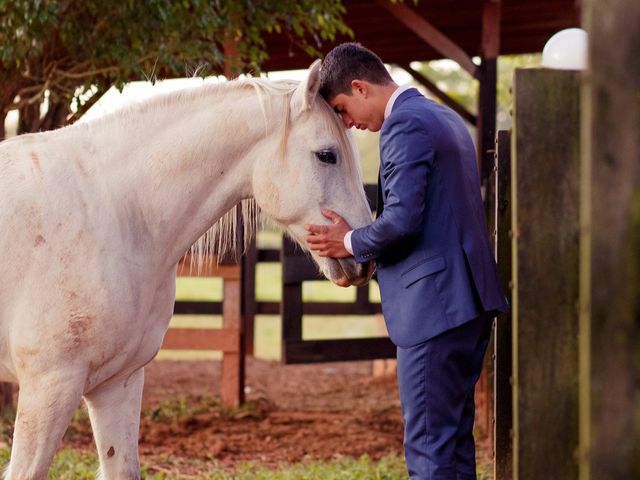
point(436, 268)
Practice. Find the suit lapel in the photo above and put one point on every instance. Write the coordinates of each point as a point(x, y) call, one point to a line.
point(379, 200)
point(411, 92)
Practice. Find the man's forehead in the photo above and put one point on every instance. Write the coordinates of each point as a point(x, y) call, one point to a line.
point(338, 99)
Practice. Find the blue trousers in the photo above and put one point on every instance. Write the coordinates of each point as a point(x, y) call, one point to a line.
point(436, 381)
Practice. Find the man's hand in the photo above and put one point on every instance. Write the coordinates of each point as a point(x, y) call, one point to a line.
point(328, 240)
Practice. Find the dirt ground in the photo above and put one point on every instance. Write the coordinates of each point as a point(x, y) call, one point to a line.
point(294, 412)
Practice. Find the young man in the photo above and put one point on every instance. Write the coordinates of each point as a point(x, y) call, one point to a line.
point(438, 279)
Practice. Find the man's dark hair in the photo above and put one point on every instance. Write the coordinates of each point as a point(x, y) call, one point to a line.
point(347, 62)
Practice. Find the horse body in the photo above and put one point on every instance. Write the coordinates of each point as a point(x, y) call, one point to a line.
point(99, 215)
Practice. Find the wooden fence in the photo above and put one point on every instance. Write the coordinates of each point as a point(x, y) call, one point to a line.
point(567, 370)
point(239, 307)
point(536, 346)
point(229, 339)
point(297, 267)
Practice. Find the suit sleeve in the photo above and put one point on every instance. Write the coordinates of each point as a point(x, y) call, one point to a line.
point(407, 155)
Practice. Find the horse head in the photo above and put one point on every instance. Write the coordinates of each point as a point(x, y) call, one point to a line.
point(317, 167)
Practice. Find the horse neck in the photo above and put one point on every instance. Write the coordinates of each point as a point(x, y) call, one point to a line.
point(185, 163)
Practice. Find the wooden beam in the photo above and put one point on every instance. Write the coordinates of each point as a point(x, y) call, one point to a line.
point(338, 350)
point(486, 124)
point(211, 268)
point(233, 366)
point(487, 95)
point(446, 99)
point(197, 307)
point(502, 365)
point(491, 14)
point(248, 264)
point(223, 339)
point(430, 34)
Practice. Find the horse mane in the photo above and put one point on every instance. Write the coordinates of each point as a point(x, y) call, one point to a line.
point(222, 239)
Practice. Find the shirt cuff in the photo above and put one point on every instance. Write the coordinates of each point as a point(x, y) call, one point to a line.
point(347, 241)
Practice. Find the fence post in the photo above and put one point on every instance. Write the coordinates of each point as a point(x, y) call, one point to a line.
point(610, 273)
point(291, 305)
point(233, 361)
point(545, 173)
point(502, 365)
point(249, 303)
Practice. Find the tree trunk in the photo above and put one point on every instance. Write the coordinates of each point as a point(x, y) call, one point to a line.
point(29, 118)
point(56, 116)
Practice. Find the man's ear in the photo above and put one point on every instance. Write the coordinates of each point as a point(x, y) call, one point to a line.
point(305, 93)
point(358, 87)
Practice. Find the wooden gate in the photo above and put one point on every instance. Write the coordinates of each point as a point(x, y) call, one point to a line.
point(297, 267)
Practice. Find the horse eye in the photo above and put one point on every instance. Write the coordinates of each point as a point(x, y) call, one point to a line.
point(326, 156)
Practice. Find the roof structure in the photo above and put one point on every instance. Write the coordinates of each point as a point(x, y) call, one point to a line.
point(401, 32)
point(525, 26)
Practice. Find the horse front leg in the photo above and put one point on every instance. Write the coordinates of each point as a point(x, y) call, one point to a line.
point(45, 406)
point(114, 410)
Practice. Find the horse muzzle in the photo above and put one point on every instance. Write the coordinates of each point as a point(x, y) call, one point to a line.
point(356, 274)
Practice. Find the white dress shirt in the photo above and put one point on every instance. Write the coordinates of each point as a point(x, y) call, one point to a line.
point(387, 112)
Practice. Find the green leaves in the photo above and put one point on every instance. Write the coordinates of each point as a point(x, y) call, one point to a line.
point(60, 45)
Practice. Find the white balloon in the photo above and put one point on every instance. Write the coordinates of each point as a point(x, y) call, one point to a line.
point(566, 50)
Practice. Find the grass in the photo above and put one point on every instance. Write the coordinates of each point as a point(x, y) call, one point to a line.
point(74, 465)
point(77, 464)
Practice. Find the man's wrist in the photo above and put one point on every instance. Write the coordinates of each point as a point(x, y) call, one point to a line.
point(347, 242)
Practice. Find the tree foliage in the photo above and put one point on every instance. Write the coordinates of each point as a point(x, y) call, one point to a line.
point(66, 47)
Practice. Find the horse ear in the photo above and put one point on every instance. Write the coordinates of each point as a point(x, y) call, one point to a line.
point(305, 93)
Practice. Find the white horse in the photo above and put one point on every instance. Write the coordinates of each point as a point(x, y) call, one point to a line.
point(96, 216)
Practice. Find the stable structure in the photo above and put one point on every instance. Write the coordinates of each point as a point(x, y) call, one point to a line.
point(471, 32)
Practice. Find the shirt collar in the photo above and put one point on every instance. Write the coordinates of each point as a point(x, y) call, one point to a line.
point(392, 99)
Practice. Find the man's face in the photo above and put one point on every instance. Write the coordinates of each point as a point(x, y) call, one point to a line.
point(357, 110)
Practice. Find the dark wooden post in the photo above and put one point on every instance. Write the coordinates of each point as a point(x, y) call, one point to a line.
point(249, 303)
point(487, 74)
point(292, 259)
point(545, 225)
point(486, 127)
point(503, 412)
point(610, 274)
point(484, 393)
